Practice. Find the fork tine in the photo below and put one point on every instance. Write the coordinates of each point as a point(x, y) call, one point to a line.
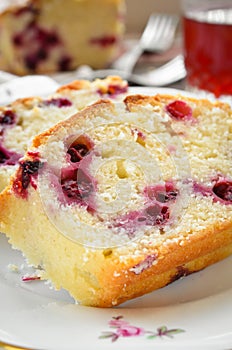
point(171, 25)
point(162, 29)
point(151, 27)
point(156, 34)
point(162, 33)
point(155, 37)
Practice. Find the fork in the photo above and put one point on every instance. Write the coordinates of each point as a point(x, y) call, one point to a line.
point(164, 75)
point(157, 36)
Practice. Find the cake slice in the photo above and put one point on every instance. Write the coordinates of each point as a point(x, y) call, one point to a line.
point(124, 198)
point(42, 36)
point(24, 118)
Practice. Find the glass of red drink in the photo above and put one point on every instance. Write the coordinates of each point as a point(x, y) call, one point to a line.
point(207, 33)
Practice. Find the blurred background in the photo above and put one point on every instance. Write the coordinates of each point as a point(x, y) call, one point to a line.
point(138, 12)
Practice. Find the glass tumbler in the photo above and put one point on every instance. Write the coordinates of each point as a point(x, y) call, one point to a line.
point(207, 38)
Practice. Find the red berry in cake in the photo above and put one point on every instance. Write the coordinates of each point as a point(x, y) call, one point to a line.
point(223, 190)
point(58, 102)
point(31, 61)
point(3, 156)
point(46, 38)
point(162, 193)
point(79, 187)
point(18, 39)
point(79, 148)
point(77, 152)
point(27, 170)
point(70, 188)
point(156, 214)
point(154, 211)
point(76, 183)
point(52, 39)
point(36, 43)
point(112, 90)
point(179, 110)
point(64, 63)
point(41, 54)
point(8, 157)
point(104, 41)
point(153, 215)
point(140, 135)
point(7, 117)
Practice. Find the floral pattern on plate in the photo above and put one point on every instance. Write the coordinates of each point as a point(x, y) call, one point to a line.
point(123, 328)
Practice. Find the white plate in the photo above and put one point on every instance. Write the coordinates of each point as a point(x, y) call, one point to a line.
point(34, 316)
point(27, 86)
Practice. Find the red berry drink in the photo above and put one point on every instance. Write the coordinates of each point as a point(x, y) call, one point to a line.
point(208, 50)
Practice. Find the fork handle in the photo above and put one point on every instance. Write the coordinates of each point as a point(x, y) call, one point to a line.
point(128, 60)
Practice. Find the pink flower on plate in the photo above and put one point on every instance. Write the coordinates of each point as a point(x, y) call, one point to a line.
point(125, 329)
point(117, 323)
point(129, 331)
